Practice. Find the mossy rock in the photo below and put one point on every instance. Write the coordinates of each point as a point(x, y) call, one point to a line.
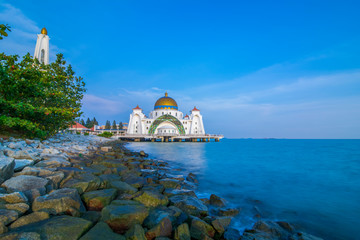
point(101, 231)
point(97, 200)
point(123, 217)
point(151, 199)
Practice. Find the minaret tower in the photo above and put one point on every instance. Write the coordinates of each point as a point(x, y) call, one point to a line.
point(42, 47)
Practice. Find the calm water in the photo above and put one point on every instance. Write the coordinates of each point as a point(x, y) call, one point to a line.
point(314, 184)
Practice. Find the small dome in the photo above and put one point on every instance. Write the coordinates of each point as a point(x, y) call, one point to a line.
point(166, 103)
point(44, 31)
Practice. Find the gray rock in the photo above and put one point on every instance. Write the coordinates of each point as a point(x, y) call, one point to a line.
point(221, 223)
point(136, 232)
point(170, 183)
point(200, 229)
point(15, 197)
point(122, 187)
point(216, 201)
point(151, 199)
point(6, 168)
point(60, 201)
point(83, 183)
point(182, 232)
point(162, 229)
point(101, 231)
point(60, 227)
point(54, 163)
point(97, 200)
point(30, 218)
point(22, 163)
point(21, 208)
point(8, 216)
point(123, 217)
point(189, 205)
point(31, 186)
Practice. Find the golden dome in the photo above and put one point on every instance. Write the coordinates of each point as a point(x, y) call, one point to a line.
point(166, 103)
point(44, 31)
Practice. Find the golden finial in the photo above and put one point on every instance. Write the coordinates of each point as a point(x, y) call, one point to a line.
point(166, 94)
point(44, 31)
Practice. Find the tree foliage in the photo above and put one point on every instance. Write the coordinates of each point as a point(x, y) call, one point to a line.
point(37, 100)
point(114, 125)
point(3, 29)
point(107, 125)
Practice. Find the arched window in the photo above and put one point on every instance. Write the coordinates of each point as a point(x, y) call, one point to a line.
point(42, 57)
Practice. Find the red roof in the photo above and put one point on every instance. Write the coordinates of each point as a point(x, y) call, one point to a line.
point(137, 107)
point(186, 116)
point(195, 109)
point(93, 128)
point(78, 125)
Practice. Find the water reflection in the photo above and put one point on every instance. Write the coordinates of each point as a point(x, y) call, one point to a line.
point(193, 154)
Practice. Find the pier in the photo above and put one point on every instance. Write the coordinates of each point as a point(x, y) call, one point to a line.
point(168, 138)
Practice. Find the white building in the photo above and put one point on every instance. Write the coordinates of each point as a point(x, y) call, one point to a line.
point(165, 120)
point(42, 47)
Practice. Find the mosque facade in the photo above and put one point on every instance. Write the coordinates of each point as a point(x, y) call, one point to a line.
point(166, 120)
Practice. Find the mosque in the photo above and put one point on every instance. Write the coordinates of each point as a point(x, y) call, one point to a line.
point(166, 120)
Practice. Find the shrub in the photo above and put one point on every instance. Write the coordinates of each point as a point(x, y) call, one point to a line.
point(106, 134)
point(78, 133)
point(86, 134)
point(38, 100)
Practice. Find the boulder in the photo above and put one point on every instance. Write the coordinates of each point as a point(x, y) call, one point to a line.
point(133, 180)
point(59, 227)
point(216, 201)
point(83, 183)
point(200, 229)
point(8, 216)
point(157, 214)
point(18, 154)
point(228, 212)
point(101, 231)
point(21, 236)
point(15, 197)
point(162, 229)
point(136, 232)
point(21, 208)
point(30, 218)
point(182, 232)
point(221, 223)
point(6, 168)
point(97, 200)
point(171, 192)
point(123, 217)
point(151, 199)
point(122, 187)
point(31, 186)
point(192, 178)
point(60, 201)
point(3, 229)
point(189, 205)
point(170, 183)
point(54, 162)
point(22, 163)
point(92, 216)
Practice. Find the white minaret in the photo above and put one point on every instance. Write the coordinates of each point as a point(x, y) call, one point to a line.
point(42, 47)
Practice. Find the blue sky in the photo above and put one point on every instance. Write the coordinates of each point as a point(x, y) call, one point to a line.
point(284, 69)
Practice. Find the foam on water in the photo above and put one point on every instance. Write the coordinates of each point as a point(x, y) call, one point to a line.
point(313, 184)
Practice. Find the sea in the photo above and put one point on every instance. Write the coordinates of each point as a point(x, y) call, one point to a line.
point(312, 184)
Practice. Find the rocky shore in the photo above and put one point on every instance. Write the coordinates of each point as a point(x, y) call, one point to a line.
point(88, 187)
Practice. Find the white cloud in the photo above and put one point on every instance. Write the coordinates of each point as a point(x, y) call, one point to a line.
point(23, 35)
point(103, 106)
